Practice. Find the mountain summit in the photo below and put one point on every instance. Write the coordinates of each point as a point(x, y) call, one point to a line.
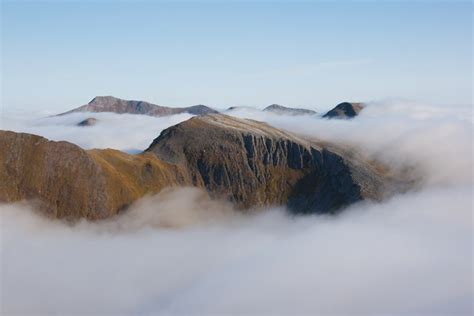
point(283, 110)
point(120, 106)
point(345, 110)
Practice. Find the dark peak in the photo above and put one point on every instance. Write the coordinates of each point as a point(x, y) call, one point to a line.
point(200, 109)
point(275, 106)
point(349, 105)
point(345, 110)
point(88, 122)
point(198, 106)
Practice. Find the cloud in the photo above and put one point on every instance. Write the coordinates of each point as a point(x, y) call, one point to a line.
point(181, 253)
point(171, 208)
point(126, 132)
point(438, 140)
point(409, 255)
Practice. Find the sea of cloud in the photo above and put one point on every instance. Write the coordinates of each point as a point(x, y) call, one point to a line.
point(126, 132)
point(181, 253)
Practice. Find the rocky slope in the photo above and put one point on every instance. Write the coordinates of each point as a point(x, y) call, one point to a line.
point(116, 105)
point(247, 162)
point(345, 110)
point(283, 110)
point(254, 164)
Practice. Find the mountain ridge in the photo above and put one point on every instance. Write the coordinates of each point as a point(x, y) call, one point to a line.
point(122, 106)
point(247, 162)
point(280, 109)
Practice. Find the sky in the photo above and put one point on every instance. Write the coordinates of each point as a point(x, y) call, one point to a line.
point(57, 55)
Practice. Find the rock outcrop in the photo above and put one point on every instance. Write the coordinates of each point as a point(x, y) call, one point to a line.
point(345, 110)
point(247, 162)
point(119, 106)
point(254, 164)
point(283, 110)
point(91, 121)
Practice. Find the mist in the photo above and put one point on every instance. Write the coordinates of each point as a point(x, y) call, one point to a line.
point(180, 252)
point(127, 132)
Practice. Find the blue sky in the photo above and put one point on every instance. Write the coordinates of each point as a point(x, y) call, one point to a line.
point(60, 54)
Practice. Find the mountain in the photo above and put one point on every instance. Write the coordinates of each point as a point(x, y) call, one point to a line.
point(116, 105)
point(254, 164)
point(247, 162)
point(65, 181)
point(345, 110)
point(91, 121)
point(280, 109)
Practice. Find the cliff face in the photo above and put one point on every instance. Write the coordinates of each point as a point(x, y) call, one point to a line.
point(345, 110)
point(248, 162)
point(254, 164)
point(119, 106)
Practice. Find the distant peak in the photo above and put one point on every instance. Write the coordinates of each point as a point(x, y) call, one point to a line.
point(280, 109)
point(103, 98)
point(345, 110)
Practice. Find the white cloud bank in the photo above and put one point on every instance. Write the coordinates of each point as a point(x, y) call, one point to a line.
point(180, 253)
point(126, 132)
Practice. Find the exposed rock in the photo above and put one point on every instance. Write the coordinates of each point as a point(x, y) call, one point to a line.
point(250, 163)
point(91, 121)
point(283, 110)
point(345, 110)
point(254, 164)
point(116, 105)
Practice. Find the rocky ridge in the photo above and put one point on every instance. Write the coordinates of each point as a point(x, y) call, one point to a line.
point(120, 106)
point(283, 110)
